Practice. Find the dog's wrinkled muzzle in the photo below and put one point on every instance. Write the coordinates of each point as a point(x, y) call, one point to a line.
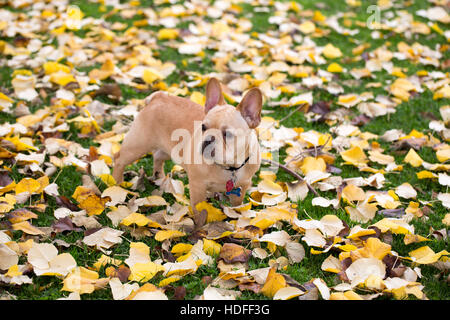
point(207, 142)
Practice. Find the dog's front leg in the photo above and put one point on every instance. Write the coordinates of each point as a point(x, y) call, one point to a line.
point(237, 200)
point(197, 193)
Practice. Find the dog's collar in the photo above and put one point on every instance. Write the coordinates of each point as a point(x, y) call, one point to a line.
point(234, 168)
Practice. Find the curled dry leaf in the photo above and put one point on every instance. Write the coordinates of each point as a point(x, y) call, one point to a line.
point(232, 253)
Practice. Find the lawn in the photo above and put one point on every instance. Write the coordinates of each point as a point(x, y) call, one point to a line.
point(371, 137)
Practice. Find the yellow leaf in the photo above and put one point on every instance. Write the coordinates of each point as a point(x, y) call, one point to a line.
point(5, 98)
point(446, 219)
point(436, 28)
point(355, 156)
point(136, 218)
point(93, 204)
point(62, 78)
point(198, 98)
point(413, 238)
point(353, 193)
point(108, 179)
point(7, 203)
point(168, 234)
point(358, 232)
point(105, 260)
point(211, 247)
point(335, 68)
point(373, 248)
point(312, 163)
point(83, 280)
point(425, 255)
point(22, 144)
point(214, 214)
point(443, 154)
point(43, 182)
point(425, 174)
point(413, 208)
point(393, 225)
point(347, 247)
point(318, 16)
point(26, 227)
point(155, 201)
point(27, 185)
point(150, 75)
point(168, 281)
point(52, 67)
point(167, 34)
point(401, 87)
point(413, 158)
point(106, 70)
point(13, 271)
point(74, 16)
point(307, 27)
point(262, 222)
point(20, 215)
point(347, 295)
point(269, 186)
point(397, 72)
point(331, 51)
point(148, 287)
point(143, 272)
point(443, 92)
point(274, 282)
point(181, 248)
point(81, 193)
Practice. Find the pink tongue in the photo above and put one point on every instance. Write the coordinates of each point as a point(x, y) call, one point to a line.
point(229, 185)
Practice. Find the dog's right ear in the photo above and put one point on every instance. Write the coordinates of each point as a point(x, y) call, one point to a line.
point(214, 94)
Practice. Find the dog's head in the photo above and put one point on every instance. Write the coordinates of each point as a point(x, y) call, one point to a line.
point(228, 136)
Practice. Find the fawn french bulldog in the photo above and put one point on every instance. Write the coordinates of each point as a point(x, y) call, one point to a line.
point(218, 148)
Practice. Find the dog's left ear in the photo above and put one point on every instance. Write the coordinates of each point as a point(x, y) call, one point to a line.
point(214, 94)
point(250, 107)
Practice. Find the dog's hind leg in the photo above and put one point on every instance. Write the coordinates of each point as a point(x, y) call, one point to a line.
point(159, 157)
point(134, 146)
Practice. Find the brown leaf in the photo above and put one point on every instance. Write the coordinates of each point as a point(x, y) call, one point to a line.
point(252, 286)
point(311, 294)
point(112, 91)
point(206, 280)
point(93, 154)
point(21, 41)
point(90, 231)
point(122, 272)
point(360, 120)
point(63, 201)
point(320, 107)
point(231, 253)
point(394, 267)
point(19, 215)
point(406, 144)
point(5, 179)
point(64, 224)
point(200, 218)
point(180, 293)
point(392, 213)
point(5, 154)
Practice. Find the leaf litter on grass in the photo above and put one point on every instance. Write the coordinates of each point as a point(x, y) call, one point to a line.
point(81, 73)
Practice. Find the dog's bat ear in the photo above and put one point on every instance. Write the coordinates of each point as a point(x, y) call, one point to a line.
point(250, 107)
point(214, 94)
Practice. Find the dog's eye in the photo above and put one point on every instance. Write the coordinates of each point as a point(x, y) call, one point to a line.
point(203, 127)
point(227, 134)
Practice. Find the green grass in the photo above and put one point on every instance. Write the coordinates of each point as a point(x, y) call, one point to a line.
point(408, 116)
